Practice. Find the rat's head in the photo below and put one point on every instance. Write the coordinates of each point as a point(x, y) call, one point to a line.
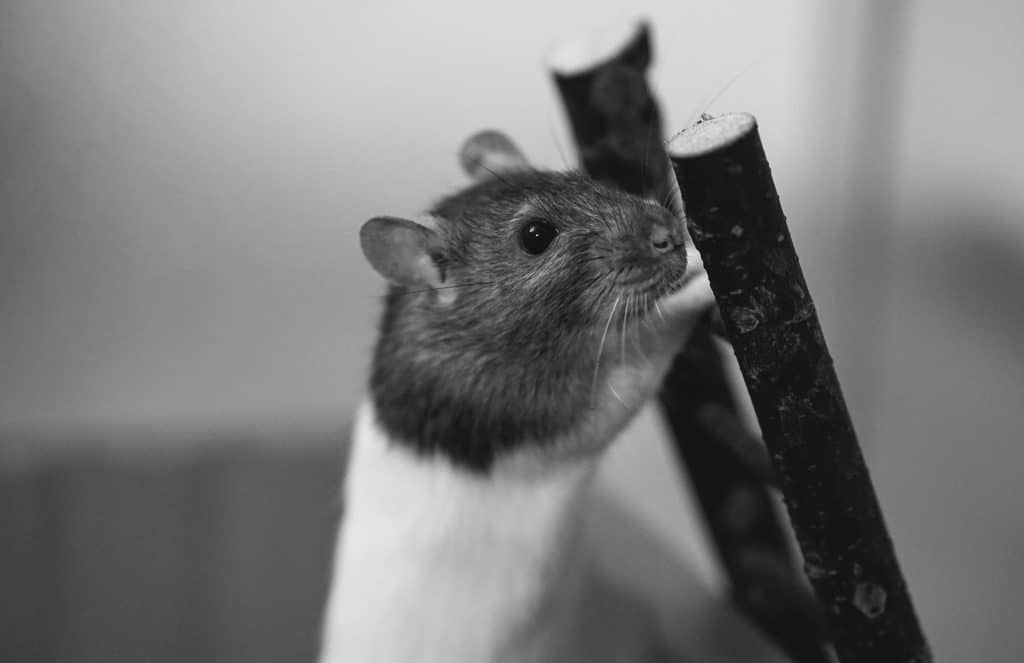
point(509, 303)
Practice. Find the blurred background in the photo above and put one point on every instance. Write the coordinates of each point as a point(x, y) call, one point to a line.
point(186, 318)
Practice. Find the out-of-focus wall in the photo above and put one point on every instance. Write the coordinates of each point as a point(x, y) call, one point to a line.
point(948, 420)
point(182, 182)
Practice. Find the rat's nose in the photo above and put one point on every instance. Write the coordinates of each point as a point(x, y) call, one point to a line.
point(665, 238)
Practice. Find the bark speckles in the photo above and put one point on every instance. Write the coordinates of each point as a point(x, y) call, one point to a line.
point(771, 321)
point(869, 598)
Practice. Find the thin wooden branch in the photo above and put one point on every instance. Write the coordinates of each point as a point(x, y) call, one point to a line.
point(740, 513)
point(617, 126)
point(737, 223)
point(614, 116)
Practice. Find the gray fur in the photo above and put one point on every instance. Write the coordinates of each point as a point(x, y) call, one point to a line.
point(509, 360)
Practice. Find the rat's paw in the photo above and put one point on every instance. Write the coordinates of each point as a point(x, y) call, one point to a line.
point(675, 317)
point(691, 301)
point(682, 310)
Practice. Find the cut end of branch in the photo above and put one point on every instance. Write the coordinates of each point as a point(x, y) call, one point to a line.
point(575, 56)
point(710, 134)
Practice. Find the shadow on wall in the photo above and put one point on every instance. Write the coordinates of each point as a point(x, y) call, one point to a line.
point(976, 274)
point(217, 554)
point(948, 454)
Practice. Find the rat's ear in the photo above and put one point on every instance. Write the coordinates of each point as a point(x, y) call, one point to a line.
point(490, 153)
point(402, 251)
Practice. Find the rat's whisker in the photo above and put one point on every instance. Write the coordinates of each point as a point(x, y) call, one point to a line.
point(707, 106)
point(558, 143)
point(441, 287)
point(667, 202)
point(592, 258)
point(732, 81)
point(497, 176)
point(589, 282)
point(600, 347)
point(622, 334)
point(605, 287)
point(646, 321)
point(638, 321)
point(585, 287)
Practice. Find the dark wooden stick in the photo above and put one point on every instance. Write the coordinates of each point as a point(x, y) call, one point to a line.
point(737, 224)
point(617, 126)
point(614, 117)
point(746, 530)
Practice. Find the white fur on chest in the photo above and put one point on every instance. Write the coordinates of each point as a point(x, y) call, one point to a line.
point(436, 564)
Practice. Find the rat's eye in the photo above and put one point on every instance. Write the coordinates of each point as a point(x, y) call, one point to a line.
point(535, 236)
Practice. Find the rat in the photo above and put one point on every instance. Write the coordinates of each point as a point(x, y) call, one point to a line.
point(528, 318)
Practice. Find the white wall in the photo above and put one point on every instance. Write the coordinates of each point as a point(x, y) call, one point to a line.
point(182, 182)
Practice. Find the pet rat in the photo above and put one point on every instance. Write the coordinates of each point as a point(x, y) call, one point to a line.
point(528, 318)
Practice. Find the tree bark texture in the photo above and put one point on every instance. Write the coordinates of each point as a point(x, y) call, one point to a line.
point(737, 223)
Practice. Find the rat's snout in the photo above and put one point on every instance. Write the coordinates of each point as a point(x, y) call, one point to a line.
point(651, 249)
point(665, 233)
